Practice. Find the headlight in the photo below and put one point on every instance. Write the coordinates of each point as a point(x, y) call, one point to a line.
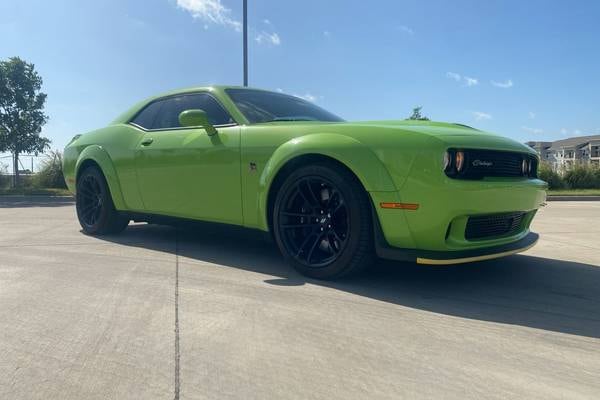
point(459, 160)
point(447, 161)
point(525, 167)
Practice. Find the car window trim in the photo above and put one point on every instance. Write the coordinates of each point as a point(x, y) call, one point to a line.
point(179, 128)
point(130, 122)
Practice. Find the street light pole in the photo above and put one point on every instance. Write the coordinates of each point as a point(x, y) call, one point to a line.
point(245, 42)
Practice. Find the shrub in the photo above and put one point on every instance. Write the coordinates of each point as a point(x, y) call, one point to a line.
point(4, 177)
point(51, 175)
point(582, 176)
point(554, 180)
point(597, 176)
point(26, 181)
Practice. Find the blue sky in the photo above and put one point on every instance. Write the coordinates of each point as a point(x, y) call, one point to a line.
point(524, 69)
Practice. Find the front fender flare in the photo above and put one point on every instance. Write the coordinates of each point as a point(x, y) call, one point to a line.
point(97, 154)
point(360, 159)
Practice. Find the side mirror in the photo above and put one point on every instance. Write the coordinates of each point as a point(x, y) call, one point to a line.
point(196, 118)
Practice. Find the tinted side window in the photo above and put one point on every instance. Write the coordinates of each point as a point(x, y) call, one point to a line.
point(168, 116)
point(146, 117)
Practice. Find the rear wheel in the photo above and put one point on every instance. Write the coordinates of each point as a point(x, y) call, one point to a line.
point(95, 209)
point(322, 222)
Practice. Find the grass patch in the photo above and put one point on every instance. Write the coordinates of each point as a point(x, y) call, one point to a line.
point(574, 192)
point(28, 191)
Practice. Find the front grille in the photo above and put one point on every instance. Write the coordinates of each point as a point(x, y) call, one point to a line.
point(494, 163)
point(485, 226)
point(484, 163)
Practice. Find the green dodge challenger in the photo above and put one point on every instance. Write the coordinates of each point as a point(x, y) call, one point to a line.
point(333, 194)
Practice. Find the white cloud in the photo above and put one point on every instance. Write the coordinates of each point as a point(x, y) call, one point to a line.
point(481, 116)
point(535, 131)
point(531, 115)
point(407, 30)
point(466, 79)
point(210, 11)
point(214, 12)
point(563, 131)
point(280, 90)
point(577, 132)
point(326, 33)
point(471, 81)
point(504, 85)
point(453, 75)
point(270, 38)
point(307, 96)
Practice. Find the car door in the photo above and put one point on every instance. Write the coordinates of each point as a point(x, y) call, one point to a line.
point(184, 172)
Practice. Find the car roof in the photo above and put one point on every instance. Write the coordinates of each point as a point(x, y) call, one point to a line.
point(210, 88)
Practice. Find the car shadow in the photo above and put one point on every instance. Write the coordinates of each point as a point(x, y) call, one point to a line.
point(535, 292)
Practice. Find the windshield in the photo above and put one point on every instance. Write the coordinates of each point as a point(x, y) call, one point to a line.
point(262, 106)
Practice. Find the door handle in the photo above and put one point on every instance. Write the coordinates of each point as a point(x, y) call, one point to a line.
point(147, 142)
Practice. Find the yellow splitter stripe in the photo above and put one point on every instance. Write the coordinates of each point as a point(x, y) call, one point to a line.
point(429, 261)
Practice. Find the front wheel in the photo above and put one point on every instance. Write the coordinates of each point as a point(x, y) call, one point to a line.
point(322, 222)
point(95, 209)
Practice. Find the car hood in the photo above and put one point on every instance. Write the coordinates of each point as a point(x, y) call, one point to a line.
point(427, 127)
point(450, 134)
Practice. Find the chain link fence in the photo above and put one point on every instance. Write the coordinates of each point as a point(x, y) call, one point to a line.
point(29, 165)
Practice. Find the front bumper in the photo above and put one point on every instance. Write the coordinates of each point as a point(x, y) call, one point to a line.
point(444, 208)
point(455, 257)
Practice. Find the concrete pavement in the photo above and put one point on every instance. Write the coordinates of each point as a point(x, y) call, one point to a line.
point(162, 313)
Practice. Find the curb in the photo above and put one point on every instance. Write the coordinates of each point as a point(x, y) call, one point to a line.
point(16, 199)
point(572, 198)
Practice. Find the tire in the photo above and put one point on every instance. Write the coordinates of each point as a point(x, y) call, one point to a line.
point(95, 209)
point(322, 222)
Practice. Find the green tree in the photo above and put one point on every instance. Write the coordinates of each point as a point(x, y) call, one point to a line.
point(416, 115)
point(21, 111)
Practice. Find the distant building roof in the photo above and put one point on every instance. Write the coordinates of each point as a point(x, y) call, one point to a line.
point(538, 143)
point(573, 142)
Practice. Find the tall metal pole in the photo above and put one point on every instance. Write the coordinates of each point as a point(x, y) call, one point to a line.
point(245, 42)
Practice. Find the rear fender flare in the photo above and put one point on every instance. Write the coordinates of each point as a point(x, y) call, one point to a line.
point(99, 156)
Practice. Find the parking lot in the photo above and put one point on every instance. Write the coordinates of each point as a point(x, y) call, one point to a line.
point(159, 313)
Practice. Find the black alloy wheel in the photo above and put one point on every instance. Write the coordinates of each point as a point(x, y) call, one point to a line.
point(314, 221)
point(95, 209)
point(90, 201)
point(322, 221)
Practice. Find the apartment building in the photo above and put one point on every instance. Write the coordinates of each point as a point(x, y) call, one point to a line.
point(562, 154)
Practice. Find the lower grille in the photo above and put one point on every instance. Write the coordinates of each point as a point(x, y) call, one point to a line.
point(486, 226)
